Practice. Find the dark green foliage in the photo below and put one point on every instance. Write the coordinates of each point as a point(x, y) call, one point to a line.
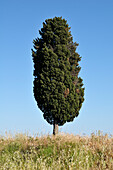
point(58, 90)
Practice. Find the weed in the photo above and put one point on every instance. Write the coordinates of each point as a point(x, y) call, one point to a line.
point(57, 152)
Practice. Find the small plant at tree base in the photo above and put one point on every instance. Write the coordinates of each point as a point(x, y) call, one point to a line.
point(58, 90)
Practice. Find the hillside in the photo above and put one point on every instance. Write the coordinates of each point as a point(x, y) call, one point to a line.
point(60, 152)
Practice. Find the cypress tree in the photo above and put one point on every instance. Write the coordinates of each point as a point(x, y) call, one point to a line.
point(58, 90)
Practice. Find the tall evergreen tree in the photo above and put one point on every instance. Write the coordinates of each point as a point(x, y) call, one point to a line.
point(58, 90)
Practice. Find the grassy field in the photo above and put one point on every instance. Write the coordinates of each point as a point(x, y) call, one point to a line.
point(62, 152)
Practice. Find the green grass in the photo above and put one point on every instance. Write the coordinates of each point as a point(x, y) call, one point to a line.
point(56, 152)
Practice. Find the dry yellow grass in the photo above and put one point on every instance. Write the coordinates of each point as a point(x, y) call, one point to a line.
point(62, 151)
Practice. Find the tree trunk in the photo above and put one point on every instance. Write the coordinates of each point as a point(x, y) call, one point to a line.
point(55, 128)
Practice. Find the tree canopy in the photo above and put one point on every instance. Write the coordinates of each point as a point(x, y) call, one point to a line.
point(58, 90)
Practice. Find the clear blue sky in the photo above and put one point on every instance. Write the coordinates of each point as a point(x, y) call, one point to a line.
point(91, 25)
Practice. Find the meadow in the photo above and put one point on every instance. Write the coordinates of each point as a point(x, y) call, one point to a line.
point(60, 152)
